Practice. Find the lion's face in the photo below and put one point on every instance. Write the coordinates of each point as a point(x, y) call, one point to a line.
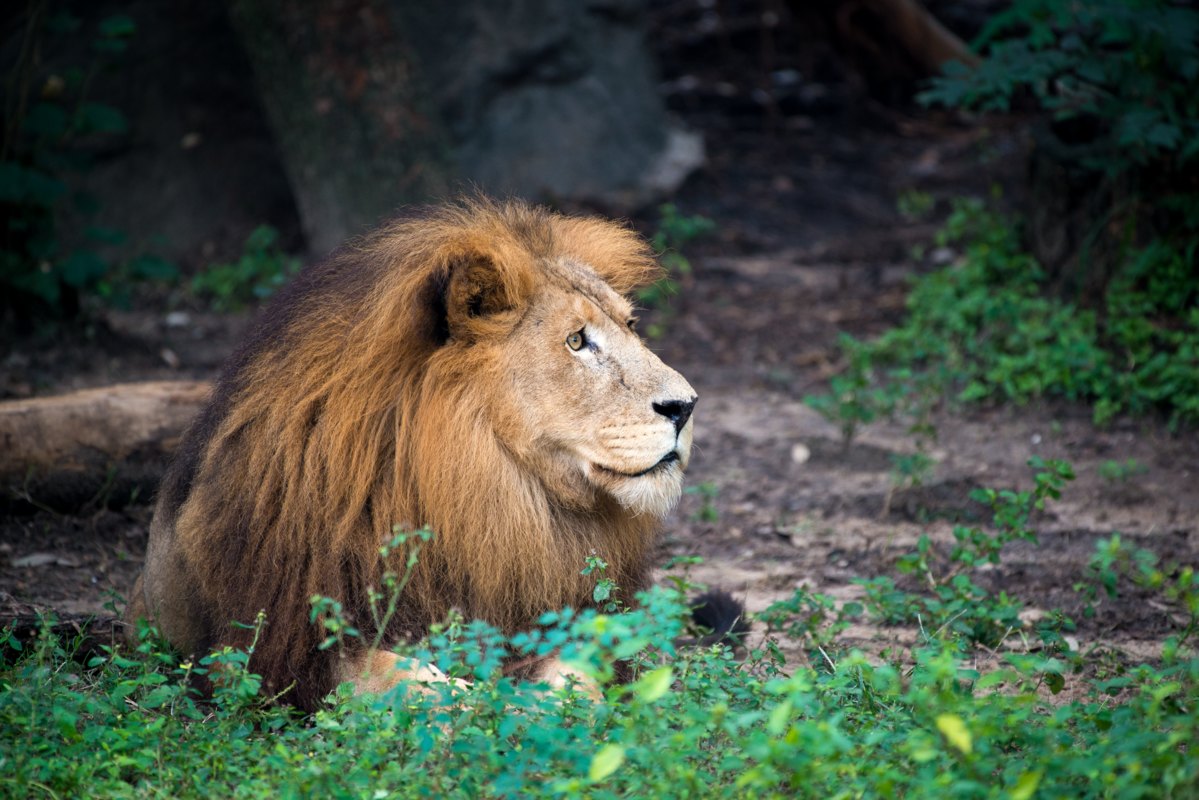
point(597, 412)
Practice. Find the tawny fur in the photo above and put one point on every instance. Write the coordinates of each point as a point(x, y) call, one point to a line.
point(386, 387)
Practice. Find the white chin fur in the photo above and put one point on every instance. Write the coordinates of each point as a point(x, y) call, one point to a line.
point(653, 494)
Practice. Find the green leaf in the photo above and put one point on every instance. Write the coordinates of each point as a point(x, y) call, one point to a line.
point(19, 185)
point(606, 761)
point(118, 26)
point(779, 718)
point(100, 233)
point(654, 684)
point(45, 119)
point(153, 268)
point(158, 696)
point(955, 732)
point(262, 238)
point(101, 118)
point(82, 268)
point(1026, 785)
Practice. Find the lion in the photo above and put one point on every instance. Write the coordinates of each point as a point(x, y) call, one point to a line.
point(472, 368)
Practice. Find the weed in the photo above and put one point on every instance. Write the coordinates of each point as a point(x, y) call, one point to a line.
point(262, 269)
point(1121, 471)
point(675, 231)
point(1115, 561)
point(908, 471)
point(855, 397)
point(707, 493)
point(953, 603)
point(691, 723)
point(48, 118)
point(985, 330)
point(605, 588)
point(915, 205)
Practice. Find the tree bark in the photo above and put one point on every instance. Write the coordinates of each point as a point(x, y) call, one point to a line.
point(378, 104)
point(337, 82)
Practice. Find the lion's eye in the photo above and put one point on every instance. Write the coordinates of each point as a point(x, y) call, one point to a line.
point(632, 323)
point(576, 340)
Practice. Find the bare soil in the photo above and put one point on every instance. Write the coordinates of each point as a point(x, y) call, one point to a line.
point(808, 244)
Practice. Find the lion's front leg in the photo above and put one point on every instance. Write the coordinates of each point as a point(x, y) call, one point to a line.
point(378, 671)
point(558, 674)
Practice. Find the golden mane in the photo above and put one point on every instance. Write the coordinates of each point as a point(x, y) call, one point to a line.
point(346, 414)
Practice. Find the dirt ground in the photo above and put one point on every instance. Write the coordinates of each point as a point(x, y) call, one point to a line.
point(808, 243)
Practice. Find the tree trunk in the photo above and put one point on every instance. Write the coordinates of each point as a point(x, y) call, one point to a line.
point(381, 103)
point(337, 82)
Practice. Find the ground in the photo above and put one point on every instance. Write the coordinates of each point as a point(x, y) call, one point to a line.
point(808, 243)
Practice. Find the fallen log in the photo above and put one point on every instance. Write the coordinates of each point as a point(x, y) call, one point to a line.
point(894, 45)
point(96, 447)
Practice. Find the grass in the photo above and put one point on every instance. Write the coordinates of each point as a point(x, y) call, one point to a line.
point(917, 722)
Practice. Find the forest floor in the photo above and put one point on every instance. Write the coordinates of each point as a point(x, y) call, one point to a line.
point(808, 243)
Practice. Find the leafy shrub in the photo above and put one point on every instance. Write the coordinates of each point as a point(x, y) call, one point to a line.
point(698, 724)
point(1117, 79)
point(47, 117)
point(986, 328)
point(262, 269)
point(692, 723)
point(954, 602)
point(1125, 68)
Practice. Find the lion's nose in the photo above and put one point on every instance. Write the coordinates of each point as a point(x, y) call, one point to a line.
point(677, 411)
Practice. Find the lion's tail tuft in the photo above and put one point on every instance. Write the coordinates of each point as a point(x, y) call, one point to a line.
point(722, 614)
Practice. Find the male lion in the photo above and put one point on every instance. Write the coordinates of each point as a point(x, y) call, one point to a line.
point(474, 369)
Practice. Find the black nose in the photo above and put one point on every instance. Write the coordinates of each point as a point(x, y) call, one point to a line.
point(677, 411)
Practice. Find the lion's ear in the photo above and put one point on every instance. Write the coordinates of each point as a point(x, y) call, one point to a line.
point(484, 294)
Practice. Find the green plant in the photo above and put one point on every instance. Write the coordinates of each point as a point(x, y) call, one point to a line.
point(690, 724)
point(47, 119)
point(1114, 560)
point(908, 471)
point(811, 618)
point(953, 603)
point(605, 588)
point(675, 231)
point(1125, 68)
point(1115, 76)
point(915, 205)
point(1121, 471)
point(986, 329)
point(262, 269)
point(707, 492)
point(855, 396)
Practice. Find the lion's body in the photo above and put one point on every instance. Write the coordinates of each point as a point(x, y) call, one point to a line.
point(428, 376)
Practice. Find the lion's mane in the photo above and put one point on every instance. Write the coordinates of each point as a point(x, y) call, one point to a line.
point(346, 414)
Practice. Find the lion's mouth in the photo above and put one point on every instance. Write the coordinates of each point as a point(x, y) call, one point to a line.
point(663, 462)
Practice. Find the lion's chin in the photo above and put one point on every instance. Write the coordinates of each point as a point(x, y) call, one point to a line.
point(653, 492)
